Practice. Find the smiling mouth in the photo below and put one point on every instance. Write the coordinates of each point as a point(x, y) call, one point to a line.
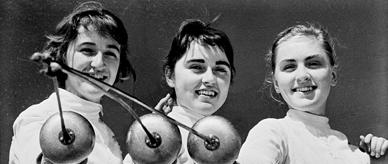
point(208, 93)
point(98, 76)
point(304, 89)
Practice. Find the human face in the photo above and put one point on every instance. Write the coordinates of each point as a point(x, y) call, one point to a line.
point(201, 79)
point(303, 74)
point(95, 55)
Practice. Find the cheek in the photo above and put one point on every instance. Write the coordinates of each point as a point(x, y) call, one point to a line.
point(77, 60)
point(70, 55)
point(185, 78)
point(113, 66)
point(224, 85)
point(283, 80)
point(323, 76)
point(184, 89)
point(186, 83)
point(69, 59)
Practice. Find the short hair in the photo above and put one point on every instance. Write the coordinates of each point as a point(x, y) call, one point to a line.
point(195, 30)
point(311, 30)
point(103, 21)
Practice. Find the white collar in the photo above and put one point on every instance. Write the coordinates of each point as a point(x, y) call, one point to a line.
point(309, 119)
point(71, 102)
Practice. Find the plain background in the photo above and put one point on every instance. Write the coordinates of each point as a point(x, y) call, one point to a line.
point(357, 105)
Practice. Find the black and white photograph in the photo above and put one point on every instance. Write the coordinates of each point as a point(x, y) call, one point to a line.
point(194, 82)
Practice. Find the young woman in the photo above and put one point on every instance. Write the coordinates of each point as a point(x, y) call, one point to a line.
point(302, 64)
point(199, 69)
point(93, 41)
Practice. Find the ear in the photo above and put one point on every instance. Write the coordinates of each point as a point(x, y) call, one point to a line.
point(334, 77)
point(170, 78)
point(275, 84)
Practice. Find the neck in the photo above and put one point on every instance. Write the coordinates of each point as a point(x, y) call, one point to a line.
point(95, 99)
point(308, 112)
point(191, 111)
point(320, 111)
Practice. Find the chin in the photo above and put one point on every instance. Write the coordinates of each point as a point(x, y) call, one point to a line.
point(301, 105)
point(206, 109)
point(92, 92)
point(305, 105)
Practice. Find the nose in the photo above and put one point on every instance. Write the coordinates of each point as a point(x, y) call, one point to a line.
point(303, 75)
point(208, 77)
point(98, 60)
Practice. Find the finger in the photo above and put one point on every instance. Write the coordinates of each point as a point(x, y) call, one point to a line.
point(373, 146)
point(55, 67)
point(379, 144)
point(170, 102)
point(162, 102)
point(167, 109)
point(368, 138)
point(166, 98)
point(362, 145)
point(362, 142)
point(158, 106)
point(37, 56)
point(384, 147)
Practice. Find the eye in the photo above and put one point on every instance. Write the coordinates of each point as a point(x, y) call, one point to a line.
point(221, 70)
point(88, 51)
point(314, 64)
point(197, 68)
point(288, 67)
point(111, 55)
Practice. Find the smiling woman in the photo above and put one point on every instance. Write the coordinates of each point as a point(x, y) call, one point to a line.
point(199, 70)
point(201, 79)
point(303, 69)
point(303, 74)
point(95, 55)
point(91, 40)
point(199, 74)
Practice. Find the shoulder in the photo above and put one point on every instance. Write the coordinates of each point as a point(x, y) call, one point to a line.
point(36, 113)
point(265, 143)
point(269, 124)
point(269, 129)
point(339, 134)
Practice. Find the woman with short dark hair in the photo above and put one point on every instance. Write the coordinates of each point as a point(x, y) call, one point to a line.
point(92, 40)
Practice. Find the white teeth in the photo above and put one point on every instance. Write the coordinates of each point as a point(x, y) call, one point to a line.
point(207, 93)
point(98, 76)
point(304, 89)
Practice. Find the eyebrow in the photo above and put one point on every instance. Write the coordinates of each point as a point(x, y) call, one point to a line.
point(313, 56)
point(203, 61)
point(196, 61)
point(287, 60)
point(223, 63)
point(307, 58)
point(112, 46)
point(87, 43)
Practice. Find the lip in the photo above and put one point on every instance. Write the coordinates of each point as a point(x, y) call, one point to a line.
point(305, 89)
point(98, 76)
point(210, 93)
